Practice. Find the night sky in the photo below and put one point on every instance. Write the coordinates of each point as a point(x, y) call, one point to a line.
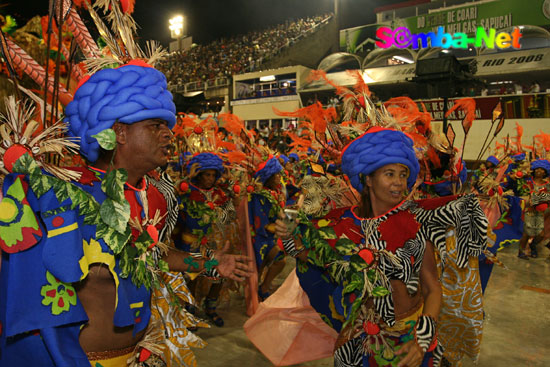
point(208, 20)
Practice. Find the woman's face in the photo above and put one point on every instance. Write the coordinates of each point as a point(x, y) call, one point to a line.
point(273, 182)
point(206, 179)
point(387, 186)
point(539, 173)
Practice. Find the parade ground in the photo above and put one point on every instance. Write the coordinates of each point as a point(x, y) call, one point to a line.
point(517, 317)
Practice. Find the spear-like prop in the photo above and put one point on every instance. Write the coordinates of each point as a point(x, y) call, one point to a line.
point(468, 106)
point(496, 115)
point(500, 125)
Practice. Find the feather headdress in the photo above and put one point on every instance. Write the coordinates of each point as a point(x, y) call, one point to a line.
point(21, 134)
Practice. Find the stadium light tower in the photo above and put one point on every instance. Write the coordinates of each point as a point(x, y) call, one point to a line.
point(176, 27)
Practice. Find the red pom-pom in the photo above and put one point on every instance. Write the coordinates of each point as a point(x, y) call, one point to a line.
point(184, 187)
point(519, 174)
point(13, 154)
point(491, 192)
point(249, 189)
point(144, 355)
point(204, 241)
point(197, 130)
point(211, 205)
point(154, 233)
point(371, 328)
point(500, 191)
point(236, 189)
point(366, 255)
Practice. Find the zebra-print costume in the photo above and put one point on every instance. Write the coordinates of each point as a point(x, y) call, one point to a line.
point(470, 223)
point(165, 185)
point(464, 214)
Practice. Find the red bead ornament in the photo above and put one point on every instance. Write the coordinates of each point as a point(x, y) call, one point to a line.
point(249, 189)
point(371, 328)
point(236, 189)
point(184, 187)
point(366, 255)
point(12, 154)
point(211, 205)
point(519, 174)
point(500, 191)
point(198, 130)
point(491, 192)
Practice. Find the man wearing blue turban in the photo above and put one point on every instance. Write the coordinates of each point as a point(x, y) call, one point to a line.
point(81, 294)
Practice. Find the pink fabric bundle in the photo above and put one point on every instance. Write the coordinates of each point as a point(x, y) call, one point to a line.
point(287, 330)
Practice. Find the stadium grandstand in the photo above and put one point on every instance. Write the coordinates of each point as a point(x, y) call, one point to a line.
point(202, 65)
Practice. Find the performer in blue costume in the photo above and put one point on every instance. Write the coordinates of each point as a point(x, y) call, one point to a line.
point(536, 209)
point(78, 289)
point(264, 207)
point(203, 205)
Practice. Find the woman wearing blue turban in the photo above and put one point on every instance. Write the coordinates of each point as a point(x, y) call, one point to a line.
point(384, 296)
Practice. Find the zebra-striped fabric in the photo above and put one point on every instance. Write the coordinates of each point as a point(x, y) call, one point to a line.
point(464, 214)
point(425, 331)
point(290, 247)
point(165, 185)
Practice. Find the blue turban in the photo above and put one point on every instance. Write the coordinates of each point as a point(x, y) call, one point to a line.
point(284, 158)
point(127, 94)
point(518, 157)
point(268, 169)
point(541, 163)
point(377, 148)
point(493, 160)
point(295, 156)
point(445, 187)
point(207, 161)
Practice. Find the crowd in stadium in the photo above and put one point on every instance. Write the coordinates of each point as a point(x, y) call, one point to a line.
point(226, 57)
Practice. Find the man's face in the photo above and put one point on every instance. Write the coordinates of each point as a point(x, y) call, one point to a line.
point(149, 143)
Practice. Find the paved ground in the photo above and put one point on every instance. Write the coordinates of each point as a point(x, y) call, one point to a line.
point(516, 334)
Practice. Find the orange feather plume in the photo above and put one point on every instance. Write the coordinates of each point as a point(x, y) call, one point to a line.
point(316, 114)
point(231, 123)
point(519, 136)
point(544, 140)
point(468, 106)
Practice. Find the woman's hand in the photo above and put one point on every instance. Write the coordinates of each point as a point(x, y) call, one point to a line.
point(411, 353)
